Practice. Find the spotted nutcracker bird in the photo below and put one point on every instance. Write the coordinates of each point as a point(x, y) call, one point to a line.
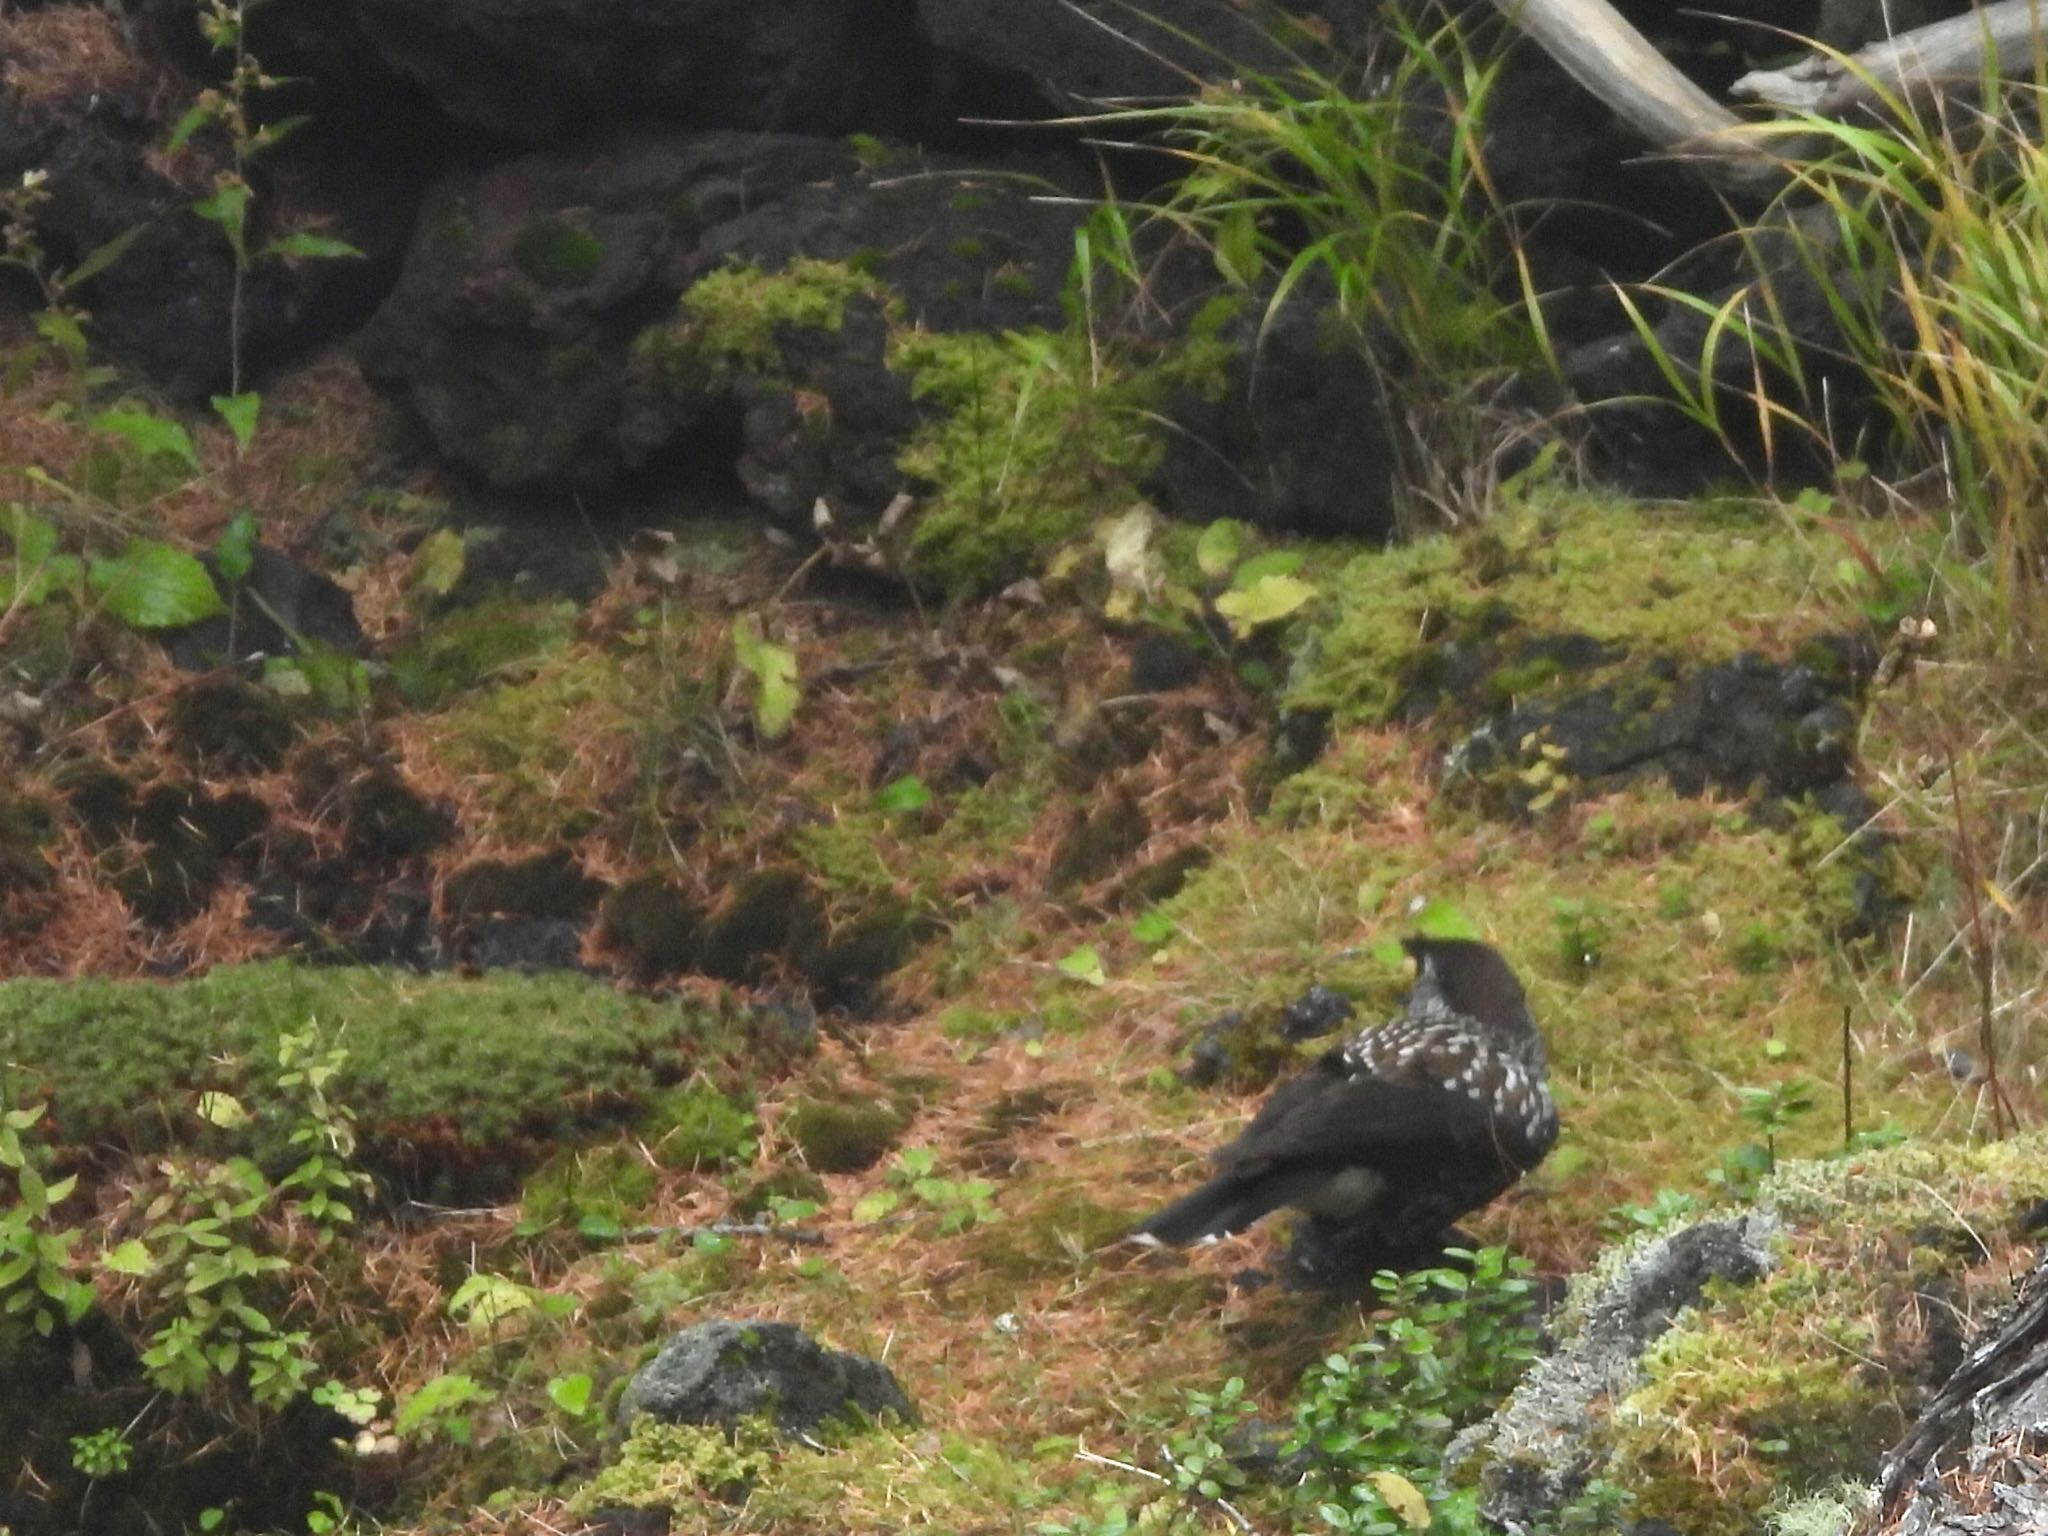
point(1393, 1136)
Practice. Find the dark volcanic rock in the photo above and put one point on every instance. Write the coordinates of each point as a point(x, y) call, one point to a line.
point(1098, 50)
point(540, 70)
point(273, 611)
point(512, 331)
point(723, 1372)
point(1739, 725)
point(87, 110)
point(1297, 438)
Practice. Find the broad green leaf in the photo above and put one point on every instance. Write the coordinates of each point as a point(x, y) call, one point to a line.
point(130, 1258)
point(154, 586)
point(774, 670)
point(1154, 927)
point(223, 1110)
point(229, 208)
point(1217, 550)
point(239, 412)
point(1437, 919)
point(1274, 562)
point(195, 118)
point(98, 259)
point(571, 1394)
point(1265, 601)
point(235, 551)
point(1084, 964)
point(24, 1118)
point(309, 247)
point(874, 1206)
point(908, 793)
point(484, 1300)
point(62, 331)
point(150, 434)
point(436, 565)
point(35, 1194)
point(35, 568)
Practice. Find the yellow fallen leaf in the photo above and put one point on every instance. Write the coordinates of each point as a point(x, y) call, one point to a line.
point(1403, 1498)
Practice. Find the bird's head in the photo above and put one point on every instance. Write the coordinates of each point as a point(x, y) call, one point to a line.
point(1472, 979)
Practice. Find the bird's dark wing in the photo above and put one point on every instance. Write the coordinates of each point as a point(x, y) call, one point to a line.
point(1327, 1116)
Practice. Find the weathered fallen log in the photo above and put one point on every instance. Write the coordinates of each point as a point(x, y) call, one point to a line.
point(1600, 49)
point(1928, 59)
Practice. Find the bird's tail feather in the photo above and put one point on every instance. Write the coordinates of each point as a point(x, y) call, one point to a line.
point(1218, 1208)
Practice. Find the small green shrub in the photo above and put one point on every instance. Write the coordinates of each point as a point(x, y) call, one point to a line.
point(699, 1127)
point(1371, 1423)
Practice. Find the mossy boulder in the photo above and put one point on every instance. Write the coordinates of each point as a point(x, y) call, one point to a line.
point(841, 1135)
point(653, 924)
point(595, 1190)
point(28, 826)
point(167, 849)
point(551, 884)
point(1555, 595)
point(231, 726)
point(770, 914)
point(456, 1084)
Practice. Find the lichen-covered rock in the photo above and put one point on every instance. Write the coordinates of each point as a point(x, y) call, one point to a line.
point(725, 1372)
point(1749, 1362)
point(1540, 1447)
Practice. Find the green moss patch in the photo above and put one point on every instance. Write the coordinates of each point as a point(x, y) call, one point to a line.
point(558, 253)
point(867, 1481)
point(451, 1079)
point(841, 1135)
point(1027, 442)
point(700, 1127)
point(1699, 584)
point(498, 640)
point(725, 323)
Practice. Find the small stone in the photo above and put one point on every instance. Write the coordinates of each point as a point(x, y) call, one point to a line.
point(1316, 1012)
point(723, 1372)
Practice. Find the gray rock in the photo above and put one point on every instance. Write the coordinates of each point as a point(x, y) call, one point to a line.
point(723, 1372)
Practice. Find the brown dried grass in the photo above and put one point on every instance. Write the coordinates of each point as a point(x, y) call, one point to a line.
point(58, 61)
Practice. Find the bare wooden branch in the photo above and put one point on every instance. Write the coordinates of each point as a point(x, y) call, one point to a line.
point(1598, 47)
point(1601, 50)
point(1912, 65)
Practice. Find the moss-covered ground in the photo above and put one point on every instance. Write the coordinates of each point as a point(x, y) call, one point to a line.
point(1018, 888)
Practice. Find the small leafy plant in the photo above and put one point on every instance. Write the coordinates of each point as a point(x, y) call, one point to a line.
point(960, 1203)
